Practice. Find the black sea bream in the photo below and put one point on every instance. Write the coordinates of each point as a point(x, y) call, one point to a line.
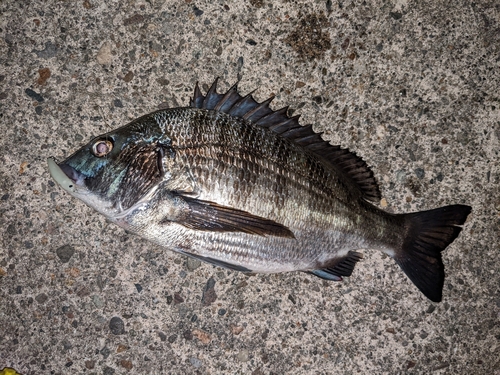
point(231, 182)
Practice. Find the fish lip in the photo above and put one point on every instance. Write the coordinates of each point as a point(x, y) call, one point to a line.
point(72, 173)
point(66, 177)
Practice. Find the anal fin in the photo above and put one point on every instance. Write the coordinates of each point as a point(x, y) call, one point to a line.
point(339, 267)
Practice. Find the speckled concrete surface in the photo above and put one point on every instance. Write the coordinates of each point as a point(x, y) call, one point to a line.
point(412, 87)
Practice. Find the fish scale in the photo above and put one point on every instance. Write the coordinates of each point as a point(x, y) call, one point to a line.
point(265, 182)
point(236, 184)
point(296, 171)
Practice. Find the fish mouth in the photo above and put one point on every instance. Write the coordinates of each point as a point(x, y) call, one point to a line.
point(66, 176)
point(73, 182)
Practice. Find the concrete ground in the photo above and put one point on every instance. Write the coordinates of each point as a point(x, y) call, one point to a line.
point(412, 87)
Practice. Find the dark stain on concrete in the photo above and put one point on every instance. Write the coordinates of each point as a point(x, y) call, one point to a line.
point(310, 38)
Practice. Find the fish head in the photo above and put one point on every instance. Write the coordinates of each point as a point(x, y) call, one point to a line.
point(117, 171)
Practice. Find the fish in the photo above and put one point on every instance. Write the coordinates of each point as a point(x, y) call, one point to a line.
point(234, 183)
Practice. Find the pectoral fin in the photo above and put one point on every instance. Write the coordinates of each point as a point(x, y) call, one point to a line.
point(210, 216)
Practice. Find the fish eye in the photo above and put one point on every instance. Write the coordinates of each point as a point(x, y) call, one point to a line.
point(102, 148)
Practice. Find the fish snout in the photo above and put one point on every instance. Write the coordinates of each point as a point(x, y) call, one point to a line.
point(66, 176)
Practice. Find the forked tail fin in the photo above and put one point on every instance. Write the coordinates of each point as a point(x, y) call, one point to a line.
point(428, 234)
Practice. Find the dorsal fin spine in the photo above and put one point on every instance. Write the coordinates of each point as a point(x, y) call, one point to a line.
point(197, 97)
point(211, 95)
point(262, 106)
point(226, 97)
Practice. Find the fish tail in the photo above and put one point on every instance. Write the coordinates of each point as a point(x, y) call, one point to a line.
point(428, 233)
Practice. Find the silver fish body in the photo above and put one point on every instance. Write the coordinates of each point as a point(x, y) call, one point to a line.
point(229, 181)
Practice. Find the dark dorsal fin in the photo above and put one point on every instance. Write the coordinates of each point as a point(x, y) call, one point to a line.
point(278, 121)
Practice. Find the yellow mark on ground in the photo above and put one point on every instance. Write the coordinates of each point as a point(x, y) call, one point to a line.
point(9, 371)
